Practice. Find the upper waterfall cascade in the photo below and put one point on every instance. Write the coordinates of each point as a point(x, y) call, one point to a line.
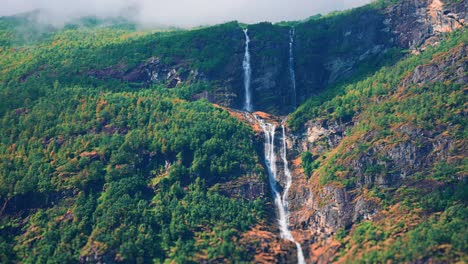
point(247, 74)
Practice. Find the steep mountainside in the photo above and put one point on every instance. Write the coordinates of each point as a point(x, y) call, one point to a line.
point(126, 146)
point(131, 176)
point(385, 164)
point(328, 50)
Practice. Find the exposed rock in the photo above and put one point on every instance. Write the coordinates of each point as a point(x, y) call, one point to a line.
point(416, 22)
point(319, 135)
point(22, 111)
point(95, 252)
point(326, 211)
point(331, 51)
point(319, 211)
point(267, 247)
point(90, 154)
point(326, 52)
point(249, 188)
point(153, 71)
point(271, 87)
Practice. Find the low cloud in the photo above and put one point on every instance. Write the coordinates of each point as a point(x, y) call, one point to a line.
point(183, 13)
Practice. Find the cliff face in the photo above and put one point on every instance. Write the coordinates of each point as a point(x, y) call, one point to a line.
point(271, 84)
point(417, 24)
point(366, 170)
point(330, 50)
point(152, 71)
point(327, 51)
point(378, 165)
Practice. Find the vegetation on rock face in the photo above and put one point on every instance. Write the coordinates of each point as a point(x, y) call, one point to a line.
point(112, 54)
point(389, 100)
point(106, 156)
point(405, 142)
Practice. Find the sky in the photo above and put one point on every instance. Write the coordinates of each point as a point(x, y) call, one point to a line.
point(182, 13)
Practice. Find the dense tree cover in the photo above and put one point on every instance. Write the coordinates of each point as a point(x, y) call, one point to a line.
point(121, 176)
point(67, 53)
point(309, 163)
point(97, 170)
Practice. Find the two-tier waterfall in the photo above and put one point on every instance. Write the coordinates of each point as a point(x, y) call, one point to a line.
point(292, 73)
point(269, 129)
point(247, 74)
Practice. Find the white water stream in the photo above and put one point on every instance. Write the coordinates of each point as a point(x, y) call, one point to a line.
point(269, 129)
point(281, 203)
point(247, 74)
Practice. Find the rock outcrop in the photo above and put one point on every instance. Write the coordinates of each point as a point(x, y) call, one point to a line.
point(153, 71)
point(416, 24)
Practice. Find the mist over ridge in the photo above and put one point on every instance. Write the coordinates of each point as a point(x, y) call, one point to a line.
point(180, 13)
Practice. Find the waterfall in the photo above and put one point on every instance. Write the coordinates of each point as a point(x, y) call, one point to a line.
point(280, 201)
point(292, 73)
point(287, 172)
point(247, 74)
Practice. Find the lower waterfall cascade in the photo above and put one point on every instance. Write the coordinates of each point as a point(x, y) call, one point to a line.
point(281, 203)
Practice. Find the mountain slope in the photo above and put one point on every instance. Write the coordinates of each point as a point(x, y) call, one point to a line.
point(328, 50)
point(124, 177)
point(111, 149)
point(385, 163)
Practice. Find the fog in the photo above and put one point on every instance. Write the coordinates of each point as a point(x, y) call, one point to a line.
point(182, 13)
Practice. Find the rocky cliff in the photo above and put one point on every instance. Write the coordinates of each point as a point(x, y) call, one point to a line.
point(362, 175)
point(356, 171)
point(366, 165)
point(327, 50)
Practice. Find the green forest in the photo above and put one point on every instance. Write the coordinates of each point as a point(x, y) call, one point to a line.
point(129, 172)
point(100, 164)
point(103, 169)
